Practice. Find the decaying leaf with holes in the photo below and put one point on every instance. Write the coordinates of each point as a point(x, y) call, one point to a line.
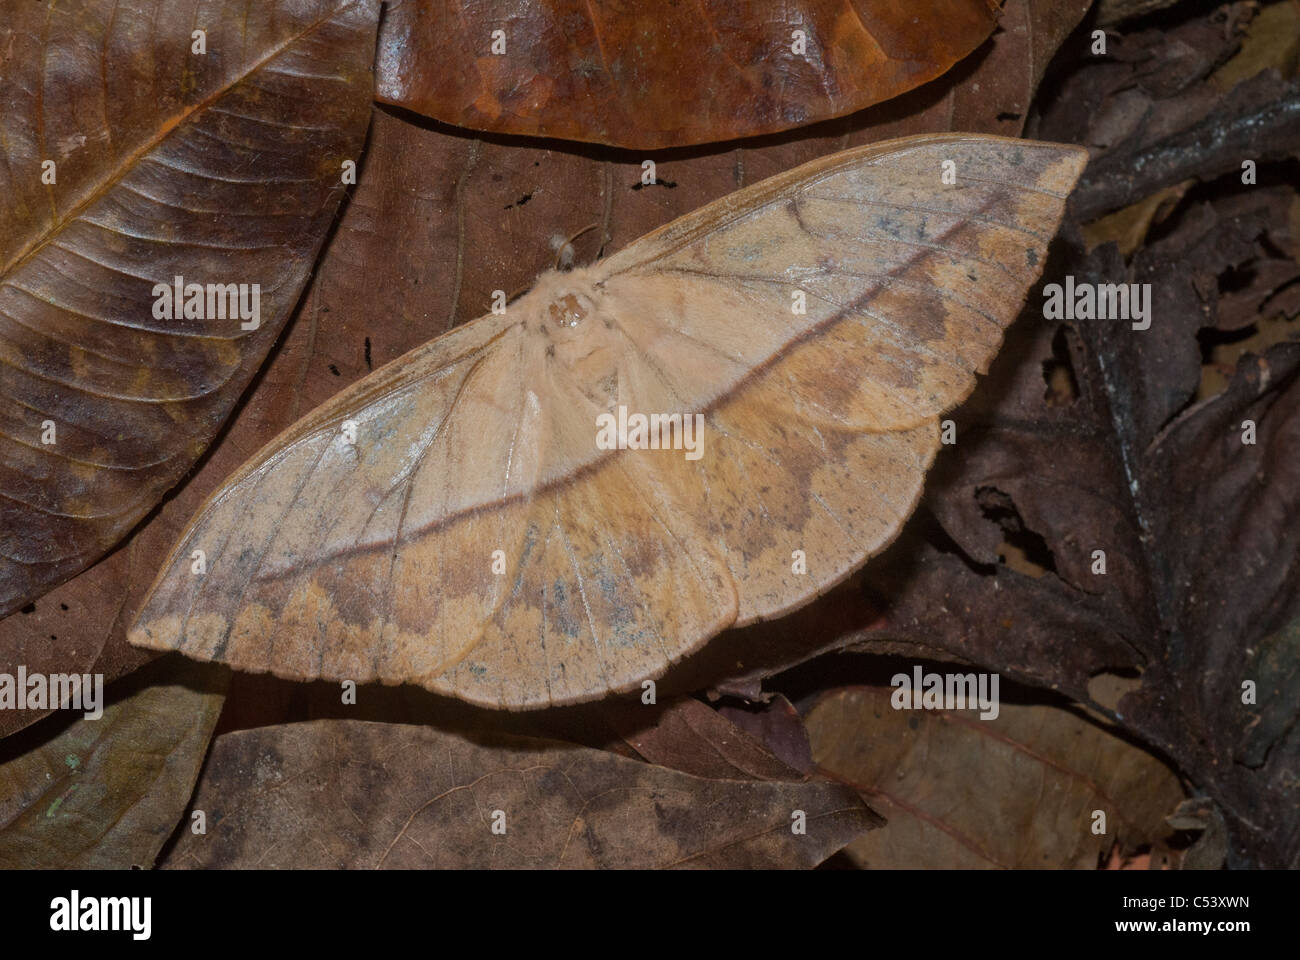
point(165, 192)
point(706, 429)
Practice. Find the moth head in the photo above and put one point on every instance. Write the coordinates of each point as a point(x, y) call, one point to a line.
point(566, 305)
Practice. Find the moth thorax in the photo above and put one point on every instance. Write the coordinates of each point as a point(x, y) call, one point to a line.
point(568, 311)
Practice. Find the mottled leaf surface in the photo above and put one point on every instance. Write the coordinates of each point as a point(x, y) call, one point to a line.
point(354, 794)
point(1015, 791)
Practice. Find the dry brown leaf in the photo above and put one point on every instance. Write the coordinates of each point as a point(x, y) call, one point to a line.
point(346, 793)
point(106, 793)
point(777, 725)
point(651, 76)
point(583, 566)
point(1018, 790)
point(1001, 88)
point(692, 737)
point(988, 92)
point(135, 163)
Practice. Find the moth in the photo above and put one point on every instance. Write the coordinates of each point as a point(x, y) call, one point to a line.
point(511, 514)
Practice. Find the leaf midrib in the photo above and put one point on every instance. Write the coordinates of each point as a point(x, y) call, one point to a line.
point(165, 130)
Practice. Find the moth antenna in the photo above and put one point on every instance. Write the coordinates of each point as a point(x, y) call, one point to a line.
point(564, 248)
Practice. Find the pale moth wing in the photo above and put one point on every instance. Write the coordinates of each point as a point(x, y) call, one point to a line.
point(481, 517)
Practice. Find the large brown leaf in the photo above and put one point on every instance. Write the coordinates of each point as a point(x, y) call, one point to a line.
point(809, 330)
point(666, 74)
point(106, 793)
point(345, 793)
point(1018, 790)
point(132, 160)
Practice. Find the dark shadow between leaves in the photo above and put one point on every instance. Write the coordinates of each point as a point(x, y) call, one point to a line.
point(162, 671)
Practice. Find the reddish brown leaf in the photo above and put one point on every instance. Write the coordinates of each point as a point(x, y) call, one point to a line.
point(691, 736)
point(664, 75)
point(777, 725)
point(133, 159)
